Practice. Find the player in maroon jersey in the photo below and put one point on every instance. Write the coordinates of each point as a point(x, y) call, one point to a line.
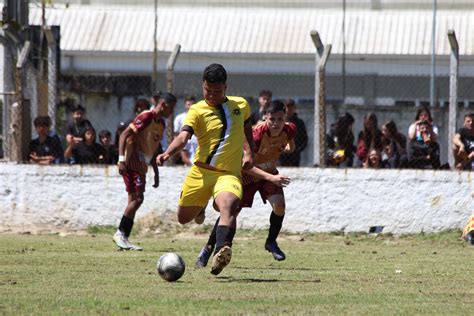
point(271, 138)
point(137, 144)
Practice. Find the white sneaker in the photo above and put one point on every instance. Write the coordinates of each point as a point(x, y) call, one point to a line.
point(123, 243)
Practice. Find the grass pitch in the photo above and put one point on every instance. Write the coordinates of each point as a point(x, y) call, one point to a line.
point(323, 274)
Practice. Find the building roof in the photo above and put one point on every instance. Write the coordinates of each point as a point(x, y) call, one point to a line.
point(218, 30)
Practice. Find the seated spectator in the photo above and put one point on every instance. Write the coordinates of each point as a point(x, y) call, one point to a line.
point(369, 137)
point(423, 114)
point(87, 151)
point(423, 150)
point(374, 159)
point(394, 146)
point(77, 127)
point(340, 142)
point(105, 139)
point(463, 145)
point(45, 149)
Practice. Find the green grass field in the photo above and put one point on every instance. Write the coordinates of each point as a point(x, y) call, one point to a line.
point(323, 274)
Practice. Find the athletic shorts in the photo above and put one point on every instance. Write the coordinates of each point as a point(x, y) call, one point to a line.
point(265, 188)
point(202, 184)
point(134, 181)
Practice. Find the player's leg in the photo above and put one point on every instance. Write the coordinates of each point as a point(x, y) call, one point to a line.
point(208, 248)
point(276, 221)
point(227, 195)
point(135, 186)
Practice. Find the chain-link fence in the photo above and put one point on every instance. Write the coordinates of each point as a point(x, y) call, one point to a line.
point(376, 79)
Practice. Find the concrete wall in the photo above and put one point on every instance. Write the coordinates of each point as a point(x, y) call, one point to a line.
point(35, 198)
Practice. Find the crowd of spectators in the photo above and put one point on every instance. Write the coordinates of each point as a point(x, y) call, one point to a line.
point(376, 146)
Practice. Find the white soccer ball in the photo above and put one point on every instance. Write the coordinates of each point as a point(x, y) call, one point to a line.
point(170, 266)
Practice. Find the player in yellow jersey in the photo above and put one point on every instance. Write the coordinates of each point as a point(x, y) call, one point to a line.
point(224, 132)
point(137, 144)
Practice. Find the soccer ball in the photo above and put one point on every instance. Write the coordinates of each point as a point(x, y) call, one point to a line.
point(170, 266)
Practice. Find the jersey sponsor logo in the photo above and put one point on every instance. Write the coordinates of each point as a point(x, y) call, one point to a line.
point(236, 111)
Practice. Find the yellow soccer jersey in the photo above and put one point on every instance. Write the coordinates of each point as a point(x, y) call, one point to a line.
point(220, 132)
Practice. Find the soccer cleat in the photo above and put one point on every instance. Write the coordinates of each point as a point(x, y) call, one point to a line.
point(221, 259)
point(204, 256)
point(122, 242)
point(199, 219)
point(272, 247)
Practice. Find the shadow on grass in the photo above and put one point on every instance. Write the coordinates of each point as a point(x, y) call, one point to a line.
point(276, 268)
point(257, 280)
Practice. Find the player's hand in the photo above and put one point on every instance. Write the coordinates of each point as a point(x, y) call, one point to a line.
point(280, 180)
point(247, 161)
point(161, 158)
point(461, 150)
point(121, 168)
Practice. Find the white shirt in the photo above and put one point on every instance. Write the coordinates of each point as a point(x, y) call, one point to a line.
point(178, 122)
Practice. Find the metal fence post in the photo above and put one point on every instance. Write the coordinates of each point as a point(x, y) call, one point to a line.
point(453, 90)
point(322, 55)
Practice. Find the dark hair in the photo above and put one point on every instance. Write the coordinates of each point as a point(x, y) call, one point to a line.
point(421, 110)
point(42, 121)
point(190, 98)
point(342, 128)
point(78, 108)
point(105, 133)
point(275, 106)
point(89, 128)
point(215, 73)
point(471, 115)
point(169, 98)
point(289, 102)
point(265, 93)
point(141, 104)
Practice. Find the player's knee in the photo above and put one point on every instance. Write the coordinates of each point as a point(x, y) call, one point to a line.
point(279, 209)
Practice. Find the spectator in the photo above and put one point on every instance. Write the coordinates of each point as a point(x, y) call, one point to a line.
point(187, 154)
point(369, 137)
point(77, 127)
point(374, 159)
point(45, 149)
point(178, 120)
point(264, 99)
point(340, 142)
point(120, 128)
point(463, 144)
point(87, 151)
point(423, 150)
point(140, 106)
point(394, 146)
point(423, 114)
point(105, 139)
point(301, 137)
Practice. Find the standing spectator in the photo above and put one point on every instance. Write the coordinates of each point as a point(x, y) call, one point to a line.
point(340, 142)
point(45, 149)
point(369, 137)
point(105, 139)
point(301, 137)
point(423, 114)
point(264, 99)
point(463, 144)
point(187, 154)
point(137, 144)
point(395, 144)
point(140, 106)
point(78, 125)
point(423, 150)
point(179, 119)
point(87, 151)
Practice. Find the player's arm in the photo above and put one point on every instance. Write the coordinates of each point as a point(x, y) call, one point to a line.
point(290, 147)
point(121, 150)
point(277, 179)
point(176, 145)
point(247, 161)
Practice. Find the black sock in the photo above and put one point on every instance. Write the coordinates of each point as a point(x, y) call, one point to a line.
point(211, 242)
point(126, 225)
point(224, 237)
point(276, 222)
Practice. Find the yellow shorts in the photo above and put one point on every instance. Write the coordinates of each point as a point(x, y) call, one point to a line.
point(202, 184)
